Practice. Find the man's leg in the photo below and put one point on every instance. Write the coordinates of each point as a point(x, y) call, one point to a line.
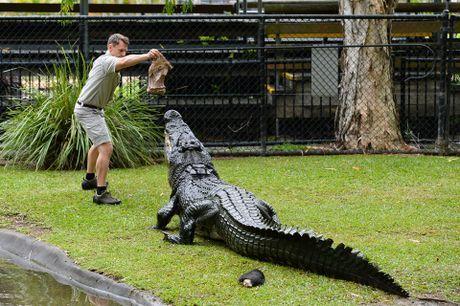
point(102, 196)
point(93, 154)
point(89, 181)
point(102, 164)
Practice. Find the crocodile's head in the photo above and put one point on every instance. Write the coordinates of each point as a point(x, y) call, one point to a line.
point(182, 148)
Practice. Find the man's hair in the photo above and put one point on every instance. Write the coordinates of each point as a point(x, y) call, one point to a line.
point(114, 39)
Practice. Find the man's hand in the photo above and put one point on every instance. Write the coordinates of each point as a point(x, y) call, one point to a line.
point(154, 54)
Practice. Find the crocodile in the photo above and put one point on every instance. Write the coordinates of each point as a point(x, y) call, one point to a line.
point(211, 207)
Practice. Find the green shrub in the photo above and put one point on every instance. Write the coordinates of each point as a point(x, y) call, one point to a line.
point(132, 123)
point(46, 135)
point(169, 7)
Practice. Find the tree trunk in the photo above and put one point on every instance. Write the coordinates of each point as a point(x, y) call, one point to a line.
point(366, 117)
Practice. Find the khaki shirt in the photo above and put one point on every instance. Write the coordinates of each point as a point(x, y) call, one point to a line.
point(101, 83)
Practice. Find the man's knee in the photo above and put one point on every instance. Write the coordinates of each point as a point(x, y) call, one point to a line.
point(105, 148)
point(92, 149)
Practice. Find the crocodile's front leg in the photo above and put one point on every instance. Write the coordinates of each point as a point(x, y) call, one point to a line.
point(165, 213)
point(198, 212)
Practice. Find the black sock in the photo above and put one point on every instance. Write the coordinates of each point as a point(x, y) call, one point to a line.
point(90, 176)
point(101, 189)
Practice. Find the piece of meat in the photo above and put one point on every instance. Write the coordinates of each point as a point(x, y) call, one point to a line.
point(157, 73)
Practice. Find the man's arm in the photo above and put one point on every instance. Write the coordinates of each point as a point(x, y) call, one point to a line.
point(134, 59)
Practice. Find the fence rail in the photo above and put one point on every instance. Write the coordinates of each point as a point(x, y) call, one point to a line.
point(257, 82)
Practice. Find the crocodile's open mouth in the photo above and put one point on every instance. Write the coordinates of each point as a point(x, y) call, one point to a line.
point(168, 146)
point(178, 135)
point(173, 123)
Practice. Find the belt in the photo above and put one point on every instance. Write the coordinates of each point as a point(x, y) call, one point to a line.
point(89, 105)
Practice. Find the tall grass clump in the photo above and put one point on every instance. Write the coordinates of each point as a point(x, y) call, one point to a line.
point(133, 126)
point(45, 133)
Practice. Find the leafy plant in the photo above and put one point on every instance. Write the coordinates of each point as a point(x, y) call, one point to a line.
point(169, 7)
point(46, 135)
point(66, 6)
point(410, 137)
point(132, 123)
point(187, 6)
point(205, 40)
point(456, 78)
point(215, 88)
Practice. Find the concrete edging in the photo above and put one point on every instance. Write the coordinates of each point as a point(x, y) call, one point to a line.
point(33, 254)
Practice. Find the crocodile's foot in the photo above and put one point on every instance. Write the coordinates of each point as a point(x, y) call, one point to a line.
point(171, 238)
point(156, 227)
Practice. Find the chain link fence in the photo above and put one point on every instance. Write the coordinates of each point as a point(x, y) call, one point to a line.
point(270, 83)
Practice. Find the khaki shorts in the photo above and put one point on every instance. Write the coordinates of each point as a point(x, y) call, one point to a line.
point(93, 121)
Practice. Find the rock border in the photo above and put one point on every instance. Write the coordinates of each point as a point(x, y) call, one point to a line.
point(33, 254)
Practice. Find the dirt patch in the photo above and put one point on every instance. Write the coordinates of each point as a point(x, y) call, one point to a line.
point(20, 223)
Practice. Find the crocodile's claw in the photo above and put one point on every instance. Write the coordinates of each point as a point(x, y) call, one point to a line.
point(171, 238)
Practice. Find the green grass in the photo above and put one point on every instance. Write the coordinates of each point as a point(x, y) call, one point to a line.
point(402, 211)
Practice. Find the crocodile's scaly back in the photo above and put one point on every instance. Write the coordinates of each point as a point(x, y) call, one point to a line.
point(247, 224)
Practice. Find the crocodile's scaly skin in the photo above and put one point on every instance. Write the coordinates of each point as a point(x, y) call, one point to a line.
point(249, 226)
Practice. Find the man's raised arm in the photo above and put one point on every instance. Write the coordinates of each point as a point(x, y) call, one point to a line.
point(134, 59)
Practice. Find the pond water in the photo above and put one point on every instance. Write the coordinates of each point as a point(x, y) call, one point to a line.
point(24, 287)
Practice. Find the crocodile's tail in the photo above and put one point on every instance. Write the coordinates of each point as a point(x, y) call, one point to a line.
point(305, 250)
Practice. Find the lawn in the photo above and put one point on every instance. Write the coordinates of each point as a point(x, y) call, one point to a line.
point(403, 212)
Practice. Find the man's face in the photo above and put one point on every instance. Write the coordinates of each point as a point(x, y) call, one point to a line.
point(118, 50)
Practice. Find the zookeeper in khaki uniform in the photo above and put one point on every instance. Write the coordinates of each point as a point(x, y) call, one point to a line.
point(98, 91)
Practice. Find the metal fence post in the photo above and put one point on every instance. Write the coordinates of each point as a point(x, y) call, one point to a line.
point(442, 141)
point(84, 41)
point(450, 67)
point(402, 89)
point(262, 78)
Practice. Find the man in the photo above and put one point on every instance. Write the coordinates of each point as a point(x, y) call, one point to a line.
point(98, 91)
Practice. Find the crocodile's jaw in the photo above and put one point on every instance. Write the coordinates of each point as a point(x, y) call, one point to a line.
point(167, 147)
point(174, 126)
point(181, 145)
